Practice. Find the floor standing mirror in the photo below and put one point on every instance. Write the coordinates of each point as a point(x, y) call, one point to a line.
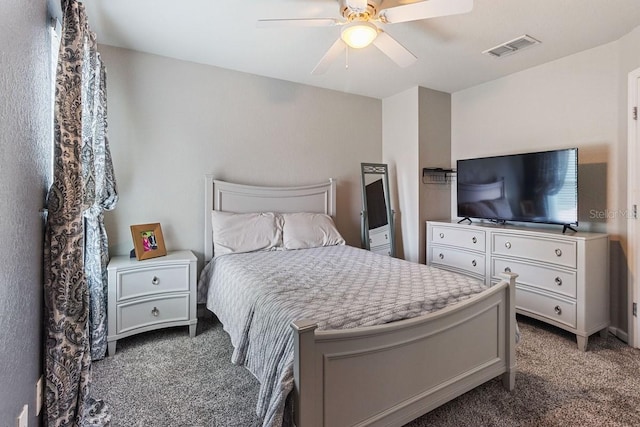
point(378, 234)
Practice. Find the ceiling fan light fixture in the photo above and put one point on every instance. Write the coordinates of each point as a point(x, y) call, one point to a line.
point(359, 34)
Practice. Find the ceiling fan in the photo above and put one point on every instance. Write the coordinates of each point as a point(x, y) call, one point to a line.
point(361, 19)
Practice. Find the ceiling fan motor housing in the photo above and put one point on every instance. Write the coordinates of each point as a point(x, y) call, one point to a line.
point(352, 14)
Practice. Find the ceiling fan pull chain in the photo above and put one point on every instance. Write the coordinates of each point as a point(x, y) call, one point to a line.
point(346, 58)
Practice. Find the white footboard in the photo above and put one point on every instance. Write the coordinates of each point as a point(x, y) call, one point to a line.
point(393, 373)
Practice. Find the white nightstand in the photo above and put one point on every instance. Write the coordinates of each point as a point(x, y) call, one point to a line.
point(151, 294)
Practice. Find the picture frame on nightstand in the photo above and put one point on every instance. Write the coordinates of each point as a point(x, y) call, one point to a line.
point(148, 241)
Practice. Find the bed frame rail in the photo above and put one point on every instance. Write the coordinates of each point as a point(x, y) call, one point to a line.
point(418, 364)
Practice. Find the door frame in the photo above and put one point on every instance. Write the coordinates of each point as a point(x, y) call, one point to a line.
point(633, 199)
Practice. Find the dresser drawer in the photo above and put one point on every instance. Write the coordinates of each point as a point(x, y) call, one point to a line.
point(553, 279)
point(551, 251)
point(467, 239)
point(382, 250)
point(466, 261)
point(153, 280)
point(151, 311)
point(379, 236)
point(557, 309)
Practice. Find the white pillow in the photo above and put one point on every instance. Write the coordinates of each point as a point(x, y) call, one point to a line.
point(245, 232)
point(309, 230)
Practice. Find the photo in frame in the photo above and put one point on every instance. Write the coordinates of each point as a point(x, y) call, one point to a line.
point(148, 241)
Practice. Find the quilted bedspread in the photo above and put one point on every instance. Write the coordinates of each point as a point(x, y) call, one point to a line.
point(257, 295)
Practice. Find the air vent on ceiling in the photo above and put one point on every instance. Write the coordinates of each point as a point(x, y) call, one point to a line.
point(512, 46)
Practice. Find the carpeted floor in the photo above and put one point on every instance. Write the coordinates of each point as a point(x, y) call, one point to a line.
point(164, 378)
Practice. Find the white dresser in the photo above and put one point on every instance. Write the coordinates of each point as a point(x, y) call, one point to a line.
point(563, 279)
point(151, 294)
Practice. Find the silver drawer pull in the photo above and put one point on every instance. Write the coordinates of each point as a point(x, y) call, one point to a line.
point(474, 240)
point(507, 245)
point(558, 281)
point(557, 309)
point(442, 235)
point(386, 237)
point(441, 256)
point(155, 312)
point(474, 263)
point(558, 252)
point(155, 281)
point(507, 270)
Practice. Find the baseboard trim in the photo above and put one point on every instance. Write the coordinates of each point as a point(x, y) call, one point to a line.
point(622, 335)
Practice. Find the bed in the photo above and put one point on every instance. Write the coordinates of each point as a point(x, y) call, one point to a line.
point(387, 367)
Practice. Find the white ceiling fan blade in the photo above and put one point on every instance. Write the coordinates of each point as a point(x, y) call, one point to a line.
point(425, 9)
point(336, 49)
point(308, 22)
point(394, 50)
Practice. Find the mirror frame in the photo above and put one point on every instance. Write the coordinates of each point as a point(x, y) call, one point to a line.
point(381, 169)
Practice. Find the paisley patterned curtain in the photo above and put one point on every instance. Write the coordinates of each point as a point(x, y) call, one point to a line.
point(99, 195)
point(75, 252)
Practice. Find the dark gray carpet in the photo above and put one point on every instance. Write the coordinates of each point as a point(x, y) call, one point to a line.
point(165, 378)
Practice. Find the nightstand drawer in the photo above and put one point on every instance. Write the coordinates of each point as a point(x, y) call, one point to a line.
point(151, 311)
point(540, 304)
point(552, 279)
point(152, 280)
point(467, 239)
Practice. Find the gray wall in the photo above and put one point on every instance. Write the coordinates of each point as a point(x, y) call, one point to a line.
point(171, 122)
point(25, 150)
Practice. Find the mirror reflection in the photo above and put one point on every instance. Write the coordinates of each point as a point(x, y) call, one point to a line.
point(377, 215)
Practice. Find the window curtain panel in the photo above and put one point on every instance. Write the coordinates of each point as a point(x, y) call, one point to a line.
point(83, 186)
point(99, 195)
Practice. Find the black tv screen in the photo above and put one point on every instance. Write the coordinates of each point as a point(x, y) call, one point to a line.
point(537, 187)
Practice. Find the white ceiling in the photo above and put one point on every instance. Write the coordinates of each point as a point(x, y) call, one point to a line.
point(224, 34)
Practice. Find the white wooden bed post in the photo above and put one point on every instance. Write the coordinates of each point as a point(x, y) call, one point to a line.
point(306, 412)
point(509, 377)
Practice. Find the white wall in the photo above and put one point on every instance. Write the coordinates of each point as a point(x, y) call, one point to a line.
point(416, 134)
point(400, 151)
point(25, 152)
point(571, 102)
point(171, 122)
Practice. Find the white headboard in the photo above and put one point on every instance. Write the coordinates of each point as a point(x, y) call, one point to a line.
point(230, 197)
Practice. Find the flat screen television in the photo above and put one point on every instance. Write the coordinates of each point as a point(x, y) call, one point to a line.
point(539, 187)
